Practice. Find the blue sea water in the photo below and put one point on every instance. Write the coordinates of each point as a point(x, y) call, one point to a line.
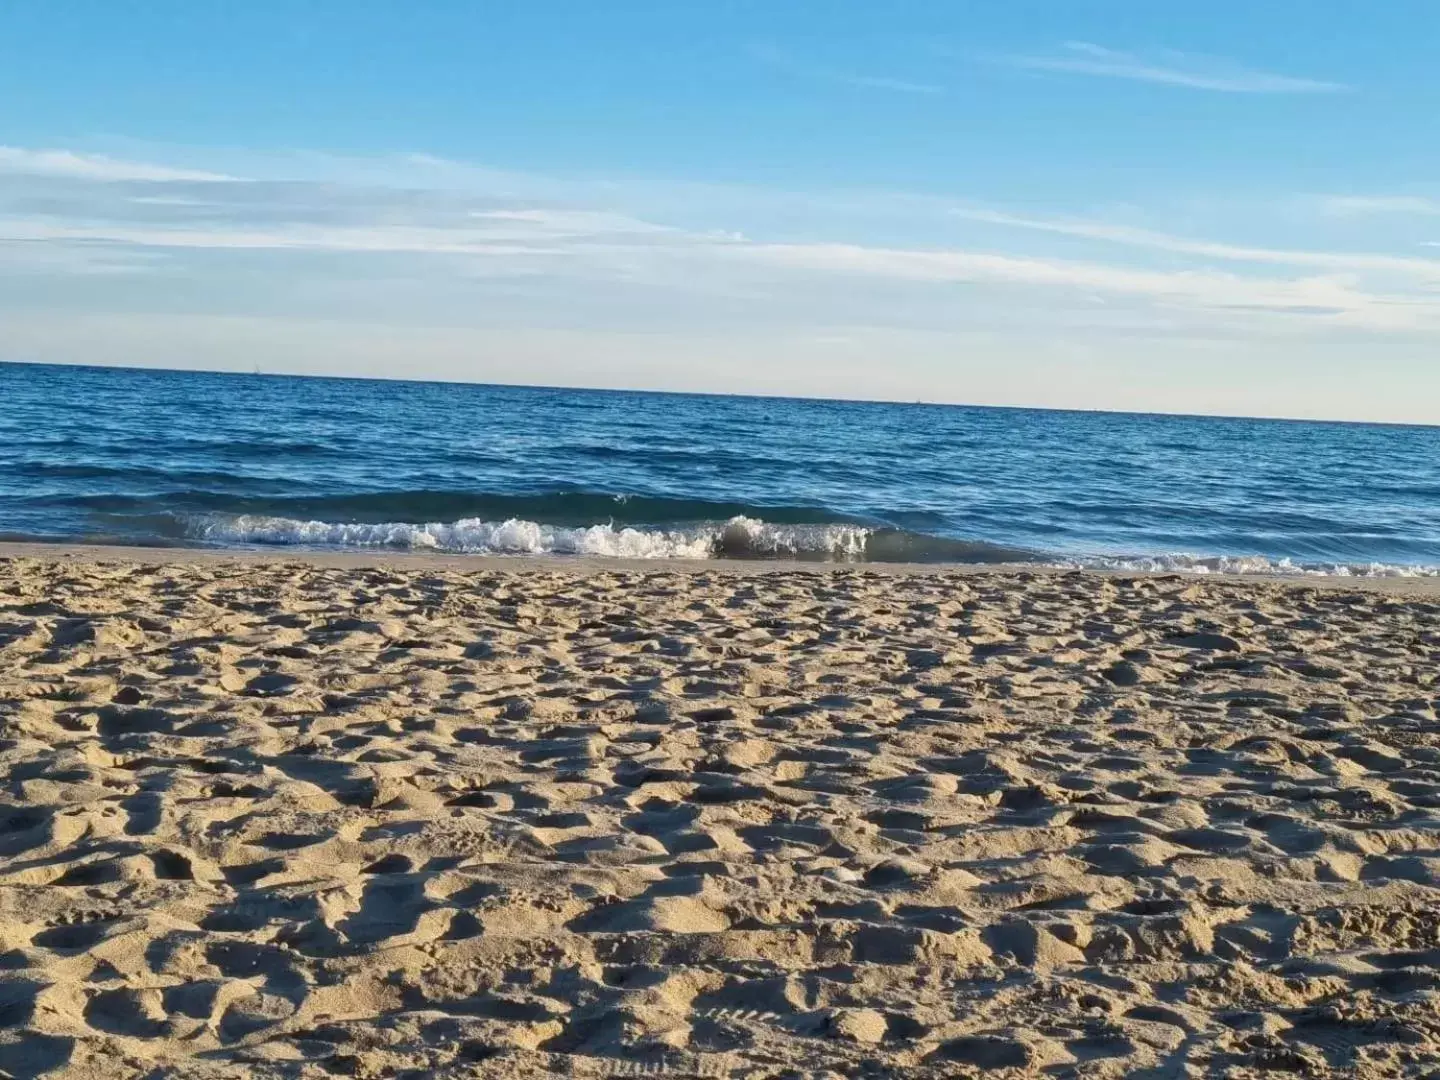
point(163, 457)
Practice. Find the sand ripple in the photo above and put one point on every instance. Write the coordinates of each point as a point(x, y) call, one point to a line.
point(303, 821)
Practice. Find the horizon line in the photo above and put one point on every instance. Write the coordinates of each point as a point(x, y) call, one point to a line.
point(821, 399)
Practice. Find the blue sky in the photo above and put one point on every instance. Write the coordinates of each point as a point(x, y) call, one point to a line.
point(1213, 208)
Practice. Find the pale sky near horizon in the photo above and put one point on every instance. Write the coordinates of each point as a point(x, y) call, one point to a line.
point(1227, 208)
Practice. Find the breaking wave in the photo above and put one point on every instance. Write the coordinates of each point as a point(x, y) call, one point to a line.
point(738, 538)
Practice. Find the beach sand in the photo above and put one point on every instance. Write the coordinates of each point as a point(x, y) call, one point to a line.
point(407, 817)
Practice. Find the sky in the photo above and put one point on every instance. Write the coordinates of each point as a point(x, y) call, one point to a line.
point(1222, 208)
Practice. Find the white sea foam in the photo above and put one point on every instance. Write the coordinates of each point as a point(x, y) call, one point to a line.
point(1249, 564)
point(738, 536)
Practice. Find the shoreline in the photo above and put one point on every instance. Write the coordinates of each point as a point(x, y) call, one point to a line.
point(587, 565)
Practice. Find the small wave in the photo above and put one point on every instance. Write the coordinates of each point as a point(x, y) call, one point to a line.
point(1249, 564)
point(135, 474)
point(384, 508)
point(740, 537)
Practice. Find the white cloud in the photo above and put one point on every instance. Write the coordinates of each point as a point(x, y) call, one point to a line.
point(14, 159)
point(555, 252)
point(311, 216)
point(1426, 269)
point(378, 239)
point(1171, 69)
point(560, 222)
point(528, 242)
point(1310, 297)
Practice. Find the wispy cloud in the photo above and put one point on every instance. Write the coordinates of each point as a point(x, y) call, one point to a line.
point(1365, 205)
point(1202, 290)
point(1426, 269)
point(14, 159)
point(563, 222)
point(1169, 68)
point(427, 243)
point(377, 239)
point(778, 58)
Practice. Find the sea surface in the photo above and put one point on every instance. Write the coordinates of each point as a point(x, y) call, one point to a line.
point(129, 456)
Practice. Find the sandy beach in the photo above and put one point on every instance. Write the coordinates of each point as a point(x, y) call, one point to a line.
point(382, 816)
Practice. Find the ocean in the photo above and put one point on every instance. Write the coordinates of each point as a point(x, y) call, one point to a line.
point(126, 456)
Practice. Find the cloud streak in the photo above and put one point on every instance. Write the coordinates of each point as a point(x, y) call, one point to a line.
point(1201, 290)
point(1369, 205)
point(454, 254)
point(68, 163)
point(777, 58)
point(1424, 269)
point(1169, 68)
